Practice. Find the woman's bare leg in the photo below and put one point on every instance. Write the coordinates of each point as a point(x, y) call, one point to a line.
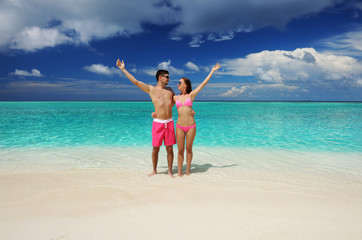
point(180, 135)
point(190, 137)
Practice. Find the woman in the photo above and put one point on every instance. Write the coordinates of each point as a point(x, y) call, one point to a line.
point(186, 126)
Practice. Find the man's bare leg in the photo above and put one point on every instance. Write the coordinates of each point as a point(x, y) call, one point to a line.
point(169, 150)
point(154, 160)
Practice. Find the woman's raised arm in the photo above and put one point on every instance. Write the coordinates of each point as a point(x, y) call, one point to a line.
point(202, 85)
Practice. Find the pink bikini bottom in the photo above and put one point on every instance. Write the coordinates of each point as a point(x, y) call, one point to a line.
point(185, 129)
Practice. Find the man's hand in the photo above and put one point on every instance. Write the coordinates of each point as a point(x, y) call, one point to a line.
point(154, 115)
point(193, 113)
point(120, 65)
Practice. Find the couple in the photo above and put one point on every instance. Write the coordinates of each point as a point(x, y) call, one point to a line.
point(163, 99)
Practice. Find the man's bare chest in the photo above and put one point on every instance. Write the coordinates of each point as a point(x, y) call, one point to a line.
point(161, 96)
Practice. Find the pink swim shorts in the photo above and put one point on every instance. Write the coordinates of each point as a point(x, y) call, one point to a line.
point(163, 130)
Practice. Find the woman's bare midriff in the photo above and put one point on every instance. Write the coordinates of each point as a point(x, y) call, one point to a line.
point(185, 117)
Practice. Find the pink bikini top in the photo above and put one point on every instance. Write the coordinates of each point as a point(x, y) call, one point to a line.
point(187, 103)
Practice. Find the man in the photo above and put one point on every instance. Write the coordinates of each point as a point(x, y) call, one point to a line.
point(163, 126)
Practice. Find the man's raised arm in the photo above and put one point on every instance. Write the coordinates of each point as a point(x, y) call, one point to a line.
point(143, 86)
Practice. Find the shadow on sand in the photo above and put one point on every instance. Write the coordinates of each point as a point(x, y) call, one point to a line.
point(197, 168)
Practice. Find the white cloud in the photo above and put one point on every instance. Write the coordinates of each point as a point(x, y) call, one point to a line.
point(301, 69)
point(35, 38)
point(196, 41)
point(166, 65)
point(102, 70)
point(24, 73)
point(171, 69)
point(90, 29)
point(176, 38)
point(235, 91)
point(192, 66)
point(223, 36)
point(359, 82)
point(34, 24)
point(348, 43)
point(75, 22)
point(302, 64)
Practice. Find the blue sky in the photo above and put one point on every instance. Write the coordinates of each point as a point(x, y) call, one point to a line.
point(288, 50)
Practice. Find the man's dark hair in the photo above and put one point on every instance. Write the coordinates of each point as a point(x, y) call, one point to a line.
point(161, 72)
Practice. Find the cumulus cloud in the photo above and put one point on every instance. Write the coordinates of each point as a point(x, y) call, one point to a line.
point(24, 73)
point(34, 24)
point(174, 71)
point(192, 66)
point(34, 38)
point(102, 70)
point(25, 23)
point(299, 69)
point(167, 66)
point(237, 91)
point(234, 91)
point(298, 65)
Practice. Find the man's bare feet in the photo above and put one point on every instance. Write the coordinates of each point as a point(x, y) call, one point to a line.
point(180, 174)
point(152, 173)
point(188, 173)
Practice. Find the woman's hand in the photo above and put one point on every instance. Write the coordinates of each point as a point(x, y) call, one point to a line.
point(216, 67)
point(120, 65)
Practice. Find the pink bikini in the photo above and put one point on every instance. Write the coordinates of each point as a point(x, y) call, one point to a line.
point(187, 103)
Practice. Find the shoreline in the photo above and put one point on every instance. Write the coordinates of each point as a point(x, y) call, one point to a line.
point(127, 204)
point(226, 160)
point(221, 101)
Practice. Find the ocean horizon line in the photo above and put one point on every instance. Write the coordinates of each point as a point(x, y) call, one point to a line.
point(236, 101)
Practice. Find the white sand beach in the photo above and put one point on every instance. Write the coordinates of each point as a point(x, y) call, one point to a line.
point(127, 204)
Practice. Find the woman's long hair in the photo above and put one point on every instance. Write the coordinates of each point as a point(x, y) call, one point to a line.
point(188, 84)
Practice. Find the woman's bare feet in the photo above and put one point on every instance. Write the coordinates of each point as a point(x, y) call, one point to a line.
point(170, 174)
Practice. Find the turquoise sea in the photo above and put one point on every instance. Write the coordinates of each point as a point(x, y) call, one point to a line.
point(233, 138)
point(304, 126)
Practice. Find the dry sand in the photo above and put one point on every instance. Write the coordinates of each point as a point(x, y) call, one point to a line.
point(126, 204)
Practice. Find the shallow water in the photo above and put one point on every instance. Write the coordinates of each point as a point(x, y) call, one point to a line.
point(233, 138)
point(327, 127)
